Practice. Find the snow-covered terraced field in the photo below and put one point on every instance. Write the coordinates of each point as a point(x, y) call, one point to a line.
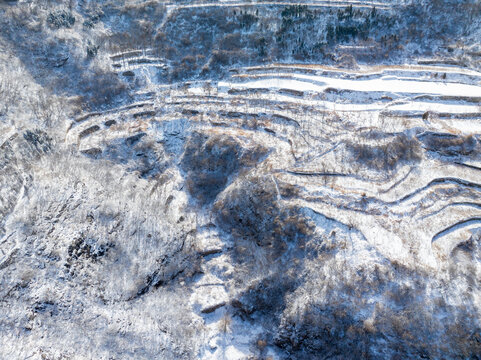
point(341, 138)
point(398, 90)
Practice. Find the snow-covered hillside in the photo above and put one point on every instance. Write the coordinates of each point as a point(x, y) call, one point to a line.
point(240, 180)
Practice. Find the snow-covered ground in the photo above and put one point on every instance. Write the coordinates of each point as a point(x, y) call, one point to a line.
point(285, 211)
point(398, 212)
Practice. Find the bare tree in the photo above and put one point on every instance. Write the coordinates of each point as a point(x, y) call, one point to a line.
point(9, 93)
point(45, 109)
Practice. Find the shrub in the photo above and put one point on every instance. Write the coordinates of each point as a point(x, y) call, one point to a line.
point(247, 20)
point(261, 45)
point(92, 50)
point(253, 211)
point(94, 16)
point(266, 297)
point(39, 140)
point(210, 161)
point(187, 67)
point(387, 156)
point(61, 19)
point(223, 57)
point(448, 144)
point(231, 42)
point(101, 88)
